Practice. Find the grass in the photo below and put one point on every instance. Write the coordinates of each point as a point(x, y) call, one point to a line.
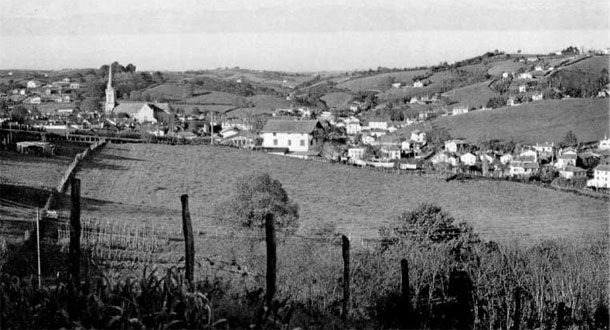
point(476, 95)
point(30, 170)
point(509, 65)
point(144, 182)
point(338, 100)
point(376, 82)
point(541, 121)
point(269, 101)
point(592, 64)
point(217, 98)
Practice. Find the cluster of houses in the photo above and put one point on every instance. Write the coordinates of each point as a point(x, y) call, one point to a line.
point(37, 92)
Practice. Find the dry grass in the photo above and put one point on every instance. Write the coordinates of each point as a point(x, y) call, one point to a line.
point(142, 183)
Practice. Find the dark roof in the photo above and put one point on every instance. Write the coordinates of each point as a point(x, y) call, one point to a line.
point(605, 168)
point(290, 126)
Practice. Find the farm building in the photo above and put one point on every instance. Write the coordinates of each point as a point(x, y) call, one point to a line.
point(296, 135)
point(36, 148)
point(143, 112)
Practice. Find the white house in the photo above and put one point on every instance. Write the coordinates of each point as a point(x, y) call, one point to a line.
point(538, 68)
point(505, 74)
point(566, 159)
point(455, 145)
point(355, 153)
point(601, 177)
point(405, 145)
point(511, 102)
point(396, 85)
point(390, 152)
point(537, 97)
point(368, 139)
point(418, 136)
point(460, 110)
point(142, 112)
point(33, 84)
point(604, 144)
point(74, 85)
point(506, 158)
point(468, 159)
point(444, 157)
point(522, 88)
point(353, 128)
point(518, 168)
point(545, 148)
point(378, 125)
point(529, 154)
point(525, 75)
point(418, 84)
point(572, 172)
point(296, 135)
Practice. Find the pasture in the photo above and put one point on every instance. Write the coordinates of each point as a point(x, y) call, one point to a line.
point(541, 121)
point(31, 170)
point(337, 100)
point(143, 183)
point(377, 82)
point(476, 95)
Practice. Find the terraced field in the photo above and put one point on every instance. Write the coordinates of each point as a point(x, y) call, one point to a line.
point(143, 183)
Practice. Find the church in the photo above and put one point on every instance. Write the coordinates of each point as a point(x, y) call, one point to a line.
point(142, 112)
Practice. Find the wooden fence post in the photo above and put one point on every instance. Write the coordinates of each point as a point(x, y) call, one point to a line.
point(517, 320)
point(346, 279)
point(560, 311)
point(75, 232)
point(271, 257)
point(189, 245)
point(406, 302)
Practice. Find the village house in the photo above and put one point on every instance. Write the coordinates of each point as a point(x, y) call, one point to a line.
point(522, 88)
point(604, 144)
point(460, 110)
point(390, 152)
point(295, 135)
point(572, 172)
point(444, 157)
point(544, 148)
point(31, 84)
point(538, 68)
point(243, 140)
point(455, 145)
point(33, 100)
point(413, 100)
point(505, 75)
point(418, 84)
point(353, 128)
point(528, 155)
point(418, 136)
point(368, 139)
point(511, 102)
point(355, 153)
point(74, 85)
point(405, 145)
point(397, 85)
point(143, 112)
point(382, 125)
point(523, 169)
point(525, 75)
point(601, 177)
point(468, 159)
point(238, 123)
point(567, 158)
point(537, 97)
point(506, 158)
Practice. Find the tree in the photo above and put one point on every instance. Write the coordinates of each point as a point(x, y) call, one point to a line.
point(91, 104)
point(255, 197)
point(427, 222)
point(570, 140)
point(19, 114)
point(130, 68)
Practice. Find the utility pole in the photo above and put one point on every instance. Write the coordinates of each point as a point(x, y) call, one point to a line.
point(38, 246)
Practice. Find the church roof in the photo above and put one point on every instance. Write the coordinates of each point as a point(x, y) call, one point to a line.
point(290, 126)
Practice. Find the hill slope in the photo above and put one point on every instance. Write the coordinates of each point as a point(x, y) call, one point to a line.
point(534, 122)
point(139, 183)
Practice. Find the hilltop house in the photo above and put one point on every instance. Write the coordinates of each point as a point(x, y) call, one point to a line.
point(295, 135)
point(144, 112)
point(460, 110)
point(418, 136)
point(601, 177)
point(604, 144)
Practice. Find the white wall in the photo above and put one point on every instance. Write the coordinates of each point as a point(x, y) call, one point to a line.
point(292, 141)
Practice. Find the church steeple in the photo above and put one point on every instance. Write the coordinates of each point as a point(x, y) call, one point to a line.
point(110, 93)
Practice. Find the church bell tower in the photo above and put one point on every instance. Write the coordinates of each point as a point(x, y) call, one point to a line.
point(110, 93)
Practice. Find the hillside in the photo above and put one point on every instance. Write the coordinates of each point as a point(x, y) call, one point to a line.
point(476, 95)
point(541, 121)
point(217, 98)
point(379, 81)
point(140, 183)
point(337, 100)
point(269, 102)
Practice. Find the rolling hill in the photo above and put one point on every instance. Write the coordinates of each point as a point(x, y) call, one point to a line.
point(541, 121)
point(476, 95)
point(337, 100)
point(377, 82)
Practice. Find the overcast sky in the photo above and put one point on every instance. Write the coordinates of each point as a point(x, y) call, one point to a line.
point(292, 35)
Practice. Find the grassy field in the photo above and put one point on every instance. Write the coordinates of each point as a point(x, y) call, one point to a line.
point(269, 101)
point(476, 95)
point(217, 98)
point(376, 82)
point(509, 65)
point(32, 171)
point(143, 183)
point(592, 64)
point(548, 120)
point(337, 100)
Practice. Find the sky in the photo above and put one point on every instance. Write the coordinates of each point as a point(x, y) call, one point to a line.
point(291, 35)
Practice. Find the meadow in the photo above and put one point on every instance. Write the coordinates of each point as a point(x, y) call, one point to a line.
point(142, 183)
point(476, 95)
point(33, 171)
point(376, 82)
point(531, 123)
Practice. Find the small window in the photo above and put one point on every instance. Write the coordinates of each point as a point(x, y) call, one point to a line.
point(273, 134)
point(311, 142)
point(302, 143)
point(289, 143)
point(274, 141)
